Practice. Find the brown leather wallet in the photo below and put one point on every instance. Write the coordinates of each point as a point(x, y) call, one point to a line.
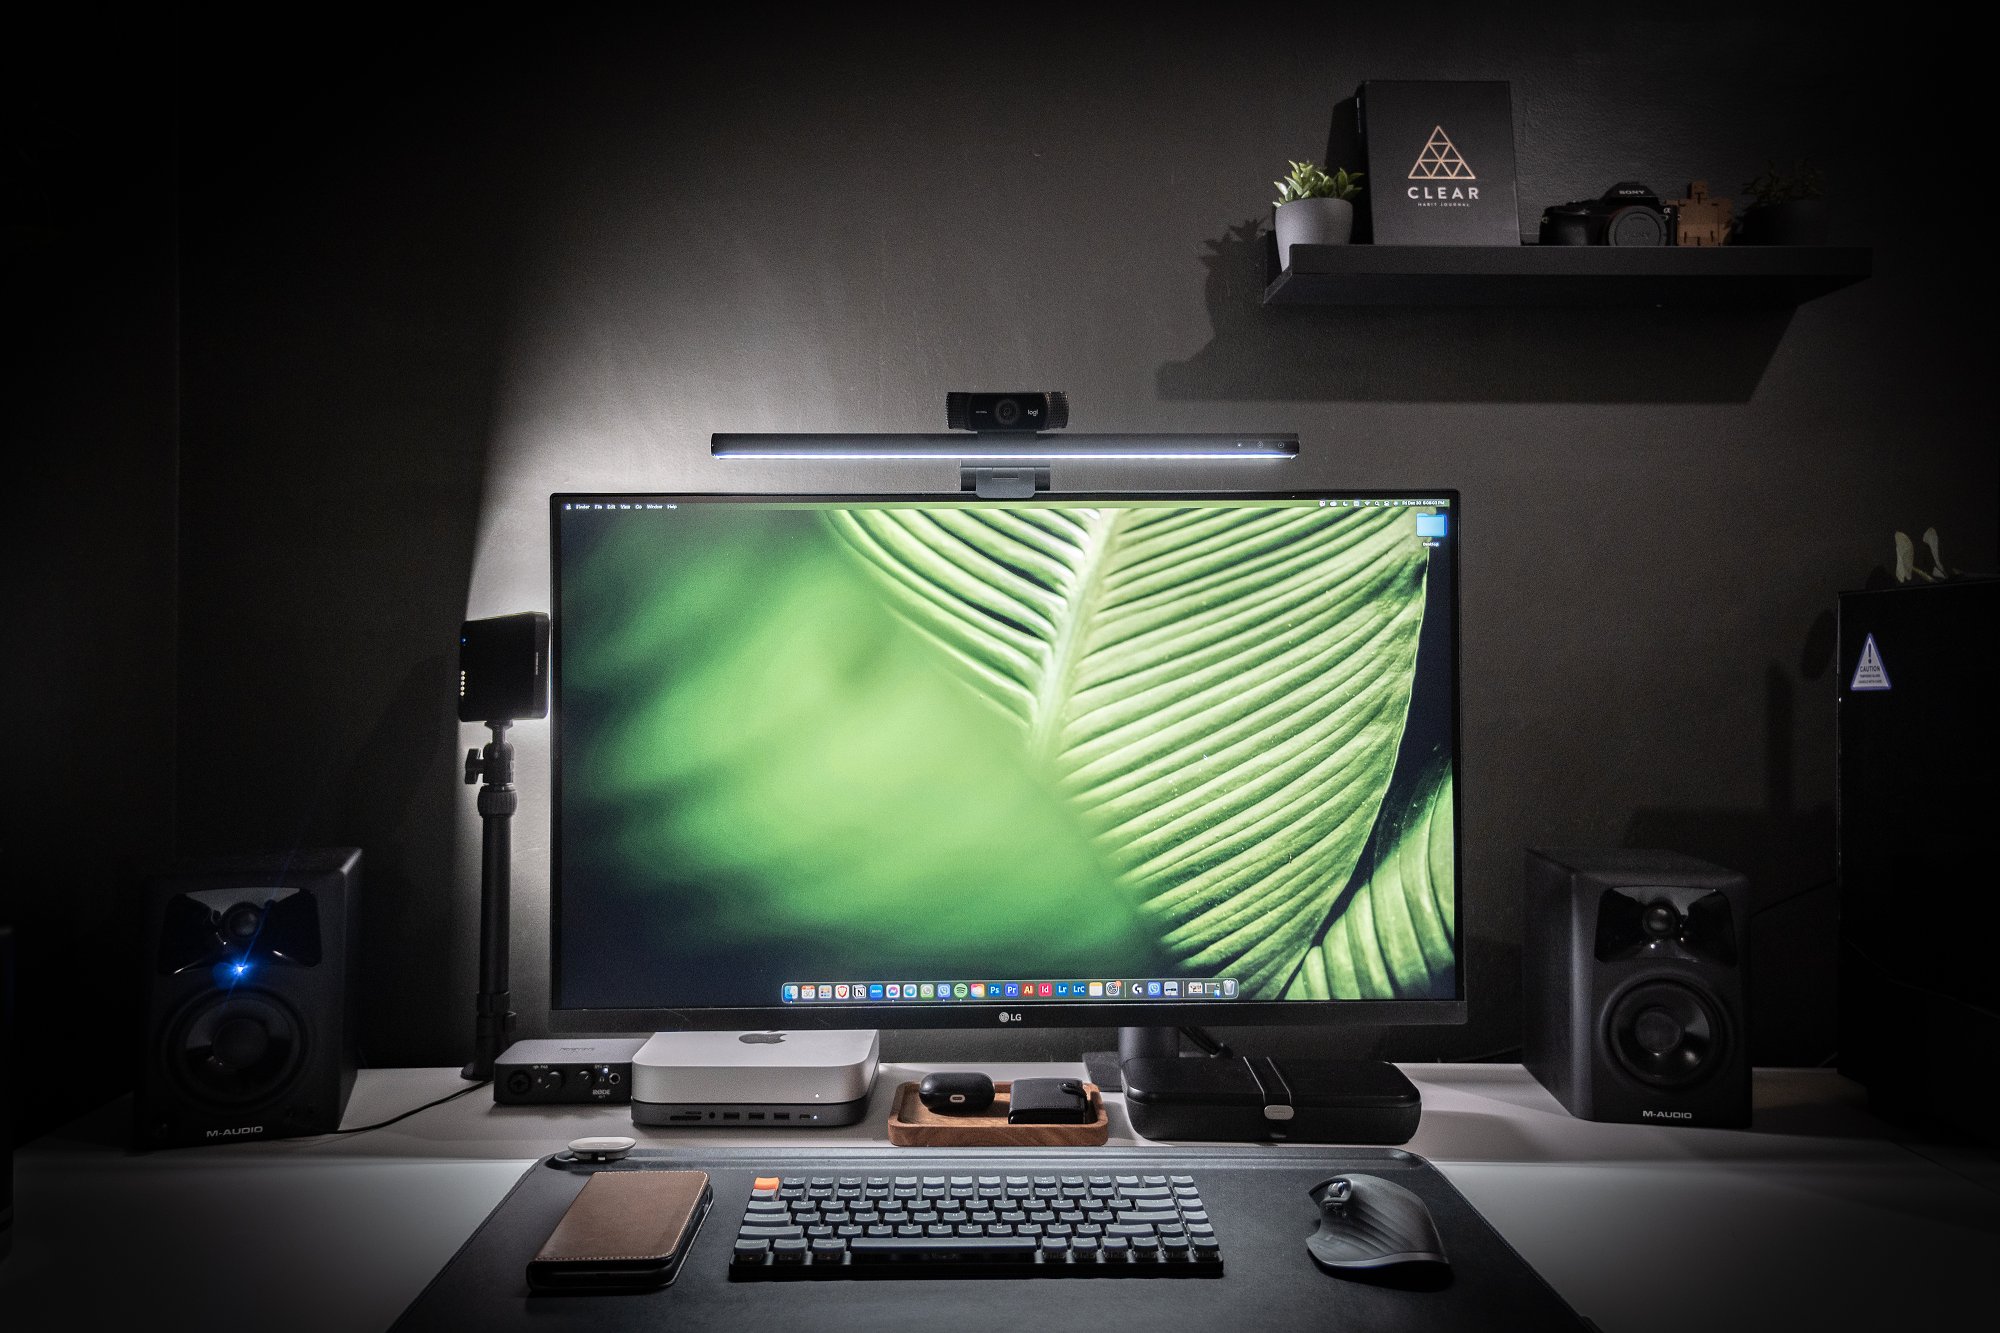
point(624, 1231)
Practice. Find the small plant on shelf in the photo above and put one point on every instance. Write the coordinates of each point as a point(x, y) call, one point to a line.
point(1804, 181)
point(1307, 181)
point(1789, 207)
point(1314, 208)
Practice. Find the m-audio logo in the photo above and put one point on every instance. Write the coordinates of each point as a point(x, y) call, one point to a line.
point(1666, 1115)
point(234, 1133)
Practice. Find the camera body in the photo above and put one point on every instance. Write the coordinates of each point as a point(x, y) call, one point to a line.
point(1627, 214)
point(1017, 412)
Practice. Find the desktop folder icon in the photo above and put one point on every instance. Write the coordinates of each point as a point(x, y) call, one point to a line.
point(1431, 525)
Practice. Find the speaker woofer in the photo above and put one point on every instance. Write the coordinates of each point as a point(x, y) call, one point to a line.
point(235, 1049)
point(1666, 1034)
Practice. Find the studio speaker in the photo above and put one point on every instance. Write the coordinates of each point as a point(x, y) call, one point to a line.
point(249, 1019)
point(1633, 986)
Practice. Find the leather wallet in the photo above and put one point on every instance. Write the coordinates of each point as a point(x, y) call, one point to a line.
point(1048, 1101)
point(624, 1231)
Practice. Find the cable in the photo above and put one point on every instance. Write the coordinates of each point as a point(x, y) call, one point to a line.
point(449, 1096)
point(1791, 897)
point(1208, 1042)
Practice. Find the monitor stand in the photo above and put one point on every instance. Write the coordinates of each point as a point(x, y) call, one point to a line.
point(811, 1077)
point(1103, 1066)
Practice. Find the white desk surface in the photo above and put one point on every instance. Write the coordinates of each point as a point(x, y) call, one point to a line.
point(1816, 1219)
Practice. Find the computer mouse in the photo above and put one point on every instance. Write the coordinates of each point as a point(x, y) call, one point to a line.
point(1366, 1222)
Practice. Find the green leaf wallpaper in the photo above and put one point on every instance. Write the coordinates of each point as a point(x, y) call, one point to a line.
point(1219, 691)
point(938, 741)
point(1395, 938)
point(794, 775)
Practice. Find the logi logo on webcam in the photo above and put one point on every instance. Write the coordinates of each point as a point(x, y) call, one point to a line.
point(1441, 162)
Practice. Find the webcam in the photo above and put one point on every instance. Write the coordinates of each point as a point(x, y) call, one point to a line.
point(1021, 412)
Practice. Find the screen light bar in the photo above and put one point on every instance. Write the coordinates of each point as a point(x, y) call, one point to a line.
point(1006, 448)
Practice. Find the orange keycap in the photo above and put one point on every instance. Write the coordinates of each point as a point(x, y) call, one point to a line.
point(765, 1183)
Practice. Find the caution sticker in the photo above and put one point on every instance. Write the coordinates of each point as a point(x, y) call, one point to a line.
point(1869, 673)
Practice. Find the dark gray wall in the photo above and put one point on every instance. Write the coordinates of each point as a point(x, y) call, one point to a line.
point(87, 283)
point(430, 283)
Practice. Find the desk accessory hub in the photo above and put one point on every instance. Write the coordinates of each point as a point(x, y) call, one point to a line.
point(801, 1079)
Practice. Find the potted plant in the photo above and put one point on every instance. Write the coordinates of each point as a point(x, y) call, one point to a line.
point(1314, 208)
point(1788, 210)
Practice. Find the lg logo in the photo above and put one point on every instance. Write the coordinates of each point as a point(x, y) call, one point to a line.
point(1006, 1017)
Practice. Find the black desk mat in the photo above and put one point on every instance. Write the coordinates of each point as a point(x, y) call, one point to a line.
point(1256, 1196)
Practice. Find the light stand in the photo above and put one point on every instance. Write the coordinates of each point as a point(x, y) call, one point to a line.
point(493, 1023)
point(503, 678)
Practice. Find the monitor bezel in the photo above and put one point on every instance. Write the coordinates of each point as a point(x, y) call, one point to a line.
point(977, 1014)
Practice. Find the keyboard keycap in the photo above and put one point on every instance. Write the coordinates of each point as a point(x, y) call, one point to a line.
point(966, 1248)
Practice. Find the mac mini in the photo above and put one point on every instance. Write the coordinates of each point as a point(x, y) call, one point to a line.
point(754, 1078)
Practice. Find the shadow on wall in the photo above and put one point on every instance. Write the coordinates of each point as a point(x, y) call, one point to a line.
point(1514, 354)
point(393, 786)
point(1788, 855)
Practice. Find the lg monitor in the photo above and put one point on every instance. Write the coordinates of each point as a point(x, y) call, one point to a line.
point(938, 761)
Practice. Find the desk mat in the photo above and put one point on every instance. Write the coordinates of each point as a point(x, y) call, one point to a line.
point(1255, 1194)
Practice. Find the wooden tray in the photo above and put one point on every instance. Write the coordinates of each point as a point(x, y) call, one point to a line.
point(914, 1125)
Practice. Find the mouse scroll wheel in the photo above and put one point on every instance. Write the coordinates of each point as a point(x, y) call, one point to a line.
point(1333, 1193)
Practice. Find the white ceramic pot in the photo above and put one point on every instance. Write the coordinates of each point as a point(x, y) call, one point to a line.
point(1312, 222)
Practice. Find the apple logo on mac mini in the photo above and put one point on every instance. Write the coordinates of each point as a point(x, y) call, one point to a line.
point(761, 1038)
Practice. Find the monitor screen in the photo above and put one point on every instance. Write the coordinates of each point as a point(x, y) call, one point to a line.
point(909, 761)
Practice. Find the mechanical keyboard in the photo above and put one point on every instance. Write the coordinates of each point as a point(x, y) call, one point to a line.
point(835, 1227)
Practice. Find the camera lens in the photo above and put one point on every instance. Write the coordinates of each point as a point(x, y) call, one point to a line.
point(1635, 226)
point(1006, 412)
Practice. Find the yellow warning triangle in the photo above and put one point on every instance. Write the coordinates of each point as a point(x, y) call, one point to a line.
point(1440, 160)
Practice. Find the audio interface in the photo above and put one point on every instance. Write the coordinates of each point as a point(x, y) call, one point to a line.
point(579, 1071)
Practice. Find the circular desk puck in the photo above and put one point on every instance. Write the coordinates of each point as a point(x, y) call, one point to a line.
point(602, 1150)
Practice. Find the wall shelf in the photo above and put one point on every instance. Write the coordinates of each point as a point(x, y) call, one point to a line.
point(1536, 275)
